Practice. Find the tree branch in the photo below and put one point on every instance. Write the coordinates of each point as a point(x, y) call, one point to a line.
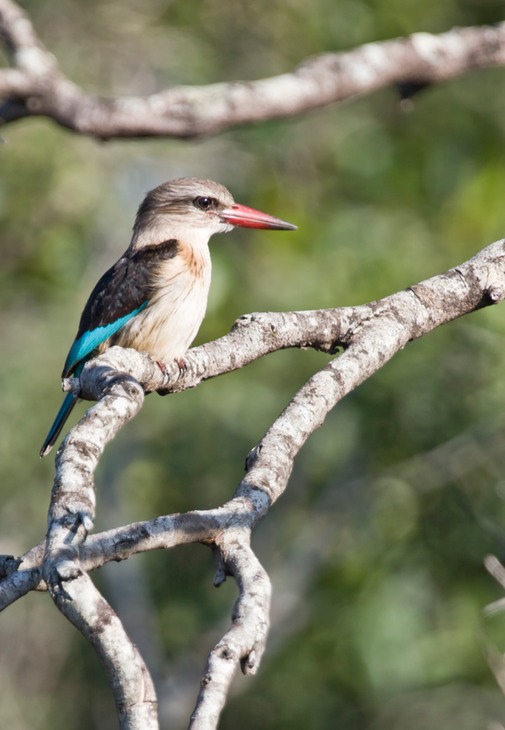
point(371, 334)
point(245, 641)
point(131, 682)
point(35, 85)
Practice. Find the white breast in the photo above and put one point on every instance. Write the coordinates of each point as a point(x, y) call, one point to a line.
point(168, 325)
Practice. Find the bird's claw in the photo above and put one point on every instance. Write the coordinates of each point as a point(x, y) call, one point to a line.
point(182, 364)
point(162, 367)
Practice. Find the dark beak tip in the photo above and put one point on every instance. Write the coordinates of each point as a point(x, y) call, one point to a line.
point(285, 226)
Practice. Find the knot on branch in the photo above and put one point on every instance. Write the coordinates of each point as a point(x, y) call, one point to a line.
point(494, 293)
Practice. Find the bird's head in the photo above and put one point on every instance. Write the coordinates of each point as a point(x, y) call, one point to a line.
point(193, 210)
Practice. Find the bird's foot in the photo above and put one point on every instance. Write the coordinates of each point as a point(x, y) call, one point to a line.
point(181, 364)
point(162, 367)
point(166, 370)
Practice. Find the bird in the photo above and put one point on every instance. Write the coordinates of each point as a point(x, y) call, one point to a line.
point(153, 299)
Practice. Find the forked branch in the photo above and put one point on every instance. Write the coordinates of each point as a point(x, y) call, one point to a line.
point(370, 335)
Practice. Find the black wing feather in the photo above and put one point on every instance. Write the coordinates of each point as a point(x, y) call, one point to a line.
point(125, 286)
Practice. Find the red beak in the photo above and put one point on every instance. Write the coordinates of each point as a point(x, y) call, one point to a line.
point(241, 215)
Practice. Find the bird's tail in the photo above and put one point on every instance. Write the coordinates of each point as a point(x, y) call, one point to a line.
point(59, 422)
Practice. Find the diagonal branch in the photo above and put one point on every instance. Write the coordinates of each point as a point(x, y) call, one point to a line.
point(35, 85)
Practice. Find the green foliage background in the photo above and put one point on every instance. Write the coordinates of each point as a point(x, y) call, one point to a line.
point(376, 549)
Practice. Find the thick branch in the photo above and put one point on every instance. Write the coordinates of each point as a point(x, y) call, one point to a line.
point(36, 86)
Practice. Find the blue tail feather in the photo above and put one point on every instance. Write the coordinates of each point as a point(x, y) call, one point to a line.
point(59, 422)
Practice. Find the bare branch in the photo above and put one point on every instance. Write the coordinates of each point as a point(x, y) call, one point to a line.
point(245, 641)
point(132, 685)
point(35, 85)
point(371, 334)
point(70, 518)
point(495, 657)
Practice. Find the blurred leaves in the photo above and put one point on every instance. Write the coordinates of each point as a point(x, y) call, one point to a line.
point(377, 568)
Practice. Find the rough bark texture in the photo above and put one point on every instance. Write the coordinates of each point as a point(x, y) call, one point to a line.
point(34, 85)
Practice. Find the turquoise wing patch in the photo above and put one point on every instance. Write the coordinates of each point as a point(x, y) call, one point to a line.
point(90, 340)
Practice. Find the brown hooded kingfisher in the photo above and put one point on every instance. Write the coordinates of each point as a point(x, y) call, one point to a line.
point(154, 297)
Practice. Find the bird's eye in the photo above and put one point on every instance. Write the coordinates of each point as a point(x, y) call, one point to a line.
point(204, 202)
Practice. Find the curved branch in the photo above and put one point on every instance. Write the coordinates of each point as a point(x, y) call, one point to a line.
point(36, 86)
